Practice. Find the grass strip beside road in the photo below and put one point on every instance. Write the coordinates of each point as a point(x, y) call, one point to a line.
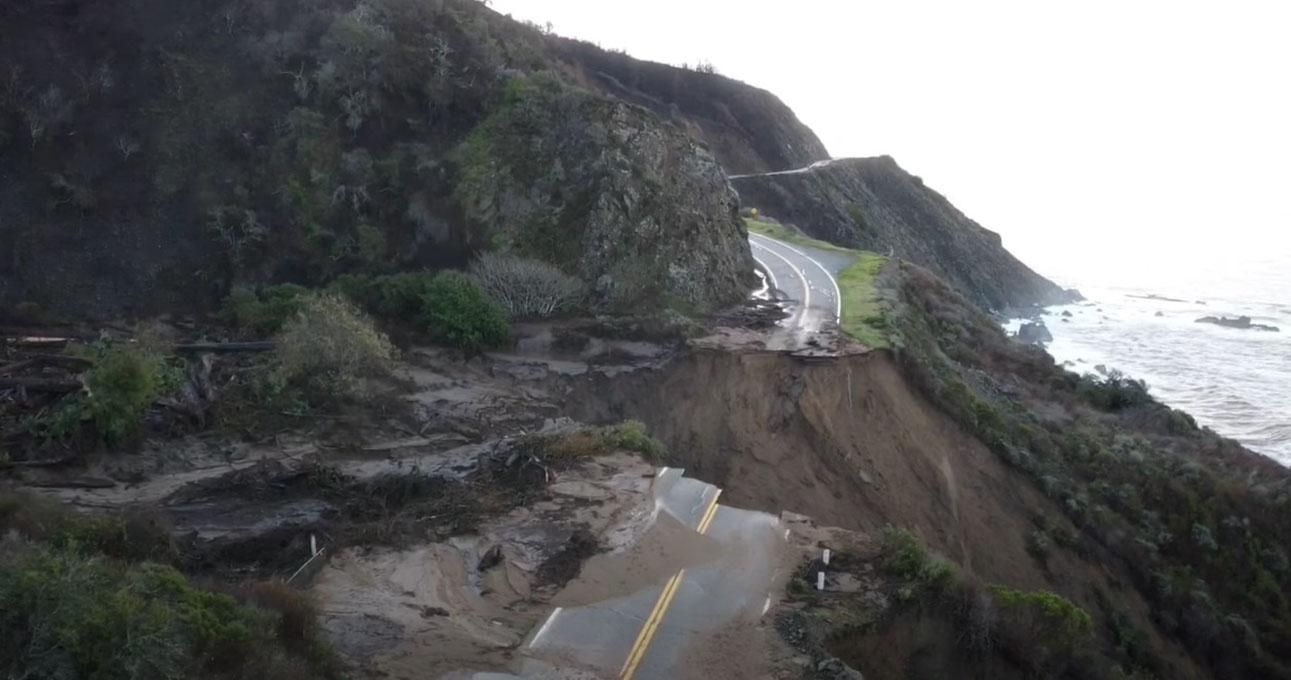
point(780, 232)
point(863, 313)
point(863, 316)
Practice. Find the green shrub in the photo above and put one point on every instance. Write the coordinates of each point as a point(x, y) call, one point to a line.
point(1039, 544)
point(460, 315)
point(448, 305)
point(263, 314)
point(328, 350)
point(66, 614)
point(134, 534)
point(402, 296)
point(632, 435)
point(122, 382)
point(905, 558)
point(1114, 392)
point(1048, 626)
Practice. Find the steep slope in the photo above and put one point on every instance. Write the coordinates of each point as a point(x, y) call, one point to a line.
point(151, 165)
point(748, 129)
point(873, 204)
point(1170, 537)
point(668, 230)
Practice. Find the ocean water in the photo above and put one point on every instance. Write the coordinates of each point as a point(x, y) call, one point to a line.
point(1237, 382)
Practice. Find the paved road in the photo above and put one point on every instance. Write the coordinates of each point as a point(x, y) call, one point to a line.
point(799, 171)
point(804, 278)
point(645, 635)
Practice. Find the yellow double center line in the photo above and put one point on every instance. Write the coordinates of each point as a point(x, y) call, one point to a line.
point(666, 596)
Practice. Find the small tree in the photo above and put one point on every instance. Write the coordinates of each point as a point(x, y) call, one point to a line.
point(526, 288)
point(460, 315)
point(329, 348)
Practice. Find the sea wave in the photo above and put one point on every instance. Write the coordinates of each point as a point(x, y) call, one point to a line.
point(1238, 382)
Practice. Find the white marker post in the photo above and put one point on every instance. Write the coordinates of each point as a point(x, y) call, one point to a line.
point(826, 558)
point(820, 580)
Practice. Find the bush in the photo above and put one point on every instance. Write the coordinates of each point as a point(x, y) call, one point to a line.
point(526, 288)
point(447, 305)
point(460, 315)
point(263, 314)
point(122, 382)
point(403, 296)
point(630, 435)
point(64, 614)
point(329, 349)
point(905, 558)
point(1113, 393)
point(135, 534)
point(1045, 626)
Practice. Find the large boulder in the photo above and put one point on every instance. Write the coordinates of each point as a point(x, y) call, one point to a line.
point(1034, 333)
point(608, 192)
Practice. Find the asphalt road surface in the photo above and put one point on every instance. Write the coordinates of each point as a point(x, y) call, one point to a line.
point(804, 278)
point(645, 635)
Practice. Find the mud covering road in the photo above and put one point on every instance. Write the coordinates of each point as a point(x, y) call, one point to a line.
point(720, 583)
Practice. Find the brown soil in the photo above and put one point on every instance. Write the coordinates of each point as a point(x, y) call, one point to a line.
point(668, 545)
point(848, 442)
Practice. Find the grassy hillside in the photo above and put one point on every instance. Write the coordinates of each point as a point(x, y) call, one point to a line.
point(1200, 524)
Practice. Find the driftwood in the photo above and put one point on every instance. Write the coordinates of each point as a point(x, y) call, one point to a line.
point(63, 361)
point(36, 342)
point(42, 385)
point(226, 347)
point(17, 366)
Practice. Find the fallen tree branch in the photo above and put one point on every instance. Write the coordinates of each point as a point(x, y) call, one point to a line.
point(226, 347)
point(40, 385)
point(17, 366)
point(37, 342)
point(63, 360)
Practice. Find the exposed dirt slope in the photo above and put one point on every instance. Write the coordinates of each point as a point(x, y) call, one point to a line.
point(849, 442)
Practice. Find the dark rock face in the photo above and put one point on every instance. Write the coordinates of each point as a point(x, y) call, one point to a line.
point(629, 203)
point(1242, 322)
point(748, 129)
point(871, 203)
point(1034, 333)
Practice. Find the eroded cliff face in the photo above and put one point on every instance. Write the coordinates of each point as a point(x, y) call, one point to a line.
point(873, 204)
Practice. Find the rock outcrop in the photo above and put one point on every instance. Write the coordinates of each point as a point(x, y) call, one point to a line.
point(1241, 322)
point(1034, 333)
point(872, 203)
point(630, 203)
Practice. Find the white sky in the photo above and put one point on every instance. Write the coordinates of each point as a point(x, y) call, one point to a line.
point(1105, 140)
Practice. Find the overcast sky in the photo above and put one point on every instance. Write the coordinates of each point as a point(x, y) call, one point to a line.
point(1098, 137)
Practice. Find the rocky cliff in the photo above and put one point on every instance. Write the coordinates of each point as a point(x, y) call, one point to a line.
point(629, 203)
point(748, 129)
point(872, 203)
point(153, 165)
